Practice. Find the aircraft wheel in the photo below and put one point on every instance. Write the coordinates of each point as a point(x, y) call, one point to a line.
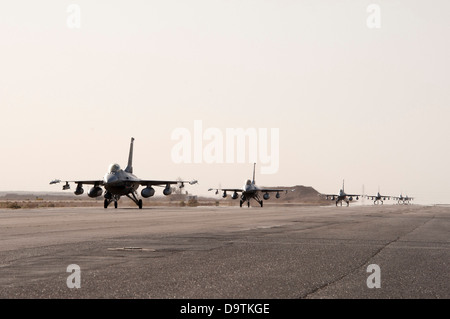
point(140, 204)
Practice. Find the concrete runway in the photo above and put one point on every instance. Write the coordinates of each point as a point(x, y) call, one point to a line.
point(226, 252)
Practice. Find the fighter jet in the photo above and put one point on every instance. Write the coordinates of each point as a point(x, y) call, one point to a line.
point(341, 197)
point(403, 200)
point(118, 182)
point(378, 198)
point(250, 191)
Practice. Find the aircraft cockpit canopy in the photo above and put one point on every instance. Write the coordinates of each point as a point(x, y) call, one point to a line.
point(114, 168)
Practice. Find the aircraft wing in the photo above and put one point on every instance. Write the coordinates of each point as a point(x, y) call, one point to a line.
point(98, 182)
point(237, 190)
point(402, 198)
point(271, 190)
point(328, 195)
point(375, 196)
point(147, 182)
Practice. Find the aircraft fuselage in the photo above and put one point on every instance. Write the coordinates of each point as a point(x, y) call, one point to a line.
point(342, 198)
point(250, 191)
point(120, 183)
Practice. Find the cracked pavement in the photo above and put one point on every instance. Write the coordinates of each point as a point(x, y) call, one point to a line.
point(226, 252)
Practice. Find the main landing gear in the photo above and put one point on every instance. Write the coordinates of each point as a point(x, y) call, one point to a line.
point(248, 202)
point(348, 202)
point(109, 198)
point(135, 200)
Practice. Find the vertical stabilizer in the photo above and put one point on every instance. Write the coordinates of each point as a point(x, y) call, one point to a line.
point(129, 168)
point(254, 165)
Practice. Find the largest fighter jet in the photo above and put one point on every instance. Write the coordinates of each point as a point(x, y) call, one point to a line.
point(250, 191)
point(118, 182)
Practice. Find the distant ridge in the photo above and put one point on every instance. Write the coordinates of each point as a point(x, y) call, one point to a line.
point(32, 195)
point(305, 195)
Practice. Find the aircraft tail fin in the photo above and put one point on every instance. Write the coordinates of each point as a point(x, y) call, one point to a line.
point(129, 168)
point(254, 165)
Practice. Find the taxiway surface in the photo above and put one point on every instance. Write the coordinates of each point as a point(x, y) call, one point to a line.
point(226, 252)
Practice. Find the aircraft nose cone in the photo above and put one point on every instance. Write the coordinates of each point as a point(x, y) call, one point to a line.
point(111, 178)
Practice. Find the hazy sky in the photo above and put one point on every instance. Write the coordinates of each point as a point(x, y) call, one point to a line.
point(368, 105)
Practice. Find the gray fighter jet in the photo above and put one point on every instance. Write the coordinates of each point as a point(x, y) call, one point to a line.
point(403, 199)
point(341, 197)
point(118, 182)
point(378, 198)
point(250, 191)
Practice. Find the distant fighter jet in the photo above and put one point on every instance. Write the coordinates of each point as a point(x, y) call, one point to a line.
point(378, 199)
point(118, 182)
point(403, 200)
point(341, 197)
point(250, 191)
